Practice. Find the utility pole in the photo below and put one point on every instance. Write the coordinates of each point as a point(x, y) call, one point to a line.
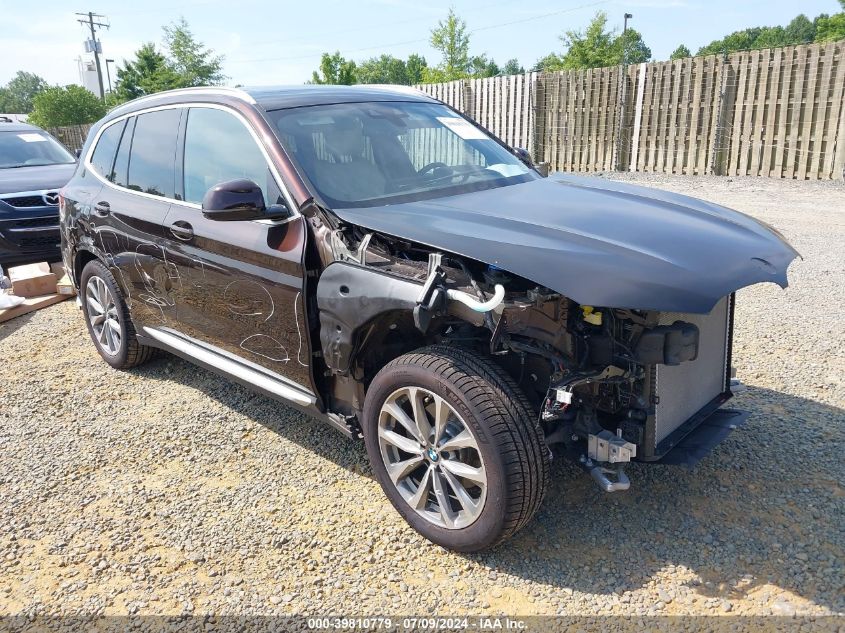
point(91, 24)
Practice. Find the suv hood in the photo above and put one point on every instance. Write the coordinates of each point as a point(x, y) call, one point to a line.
point(35, 178)
point(596, 241)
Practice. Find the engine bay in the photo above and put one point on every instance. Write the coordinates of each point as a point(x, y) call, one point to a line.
point(589, 372)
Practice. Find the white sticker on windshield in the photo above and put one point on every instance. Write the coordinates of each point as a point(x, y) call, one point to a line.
point(31, 137)
point(462, 128)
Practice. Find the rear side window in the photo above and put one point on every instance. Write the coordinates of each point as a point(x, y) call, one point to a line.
point(152, 161)
point(103, 158)
point(218, 147)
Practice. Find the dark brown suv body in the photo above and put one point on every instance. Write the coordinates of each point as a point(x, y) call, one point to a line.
point(377, 261)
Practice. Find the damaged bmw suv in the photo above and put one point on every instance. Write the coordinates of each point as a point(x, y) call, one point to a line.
point(378, 261)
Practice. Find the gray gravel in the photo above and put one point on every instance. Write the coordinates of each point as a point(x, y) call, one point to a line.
point(165, 490)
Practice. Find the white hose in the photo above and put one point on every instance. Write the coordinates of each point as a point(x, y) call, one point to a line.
point(475, 304)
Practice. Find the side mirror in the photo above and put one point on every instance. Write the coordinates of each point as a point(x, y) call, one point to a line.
point(240, 199)
point(523, 155)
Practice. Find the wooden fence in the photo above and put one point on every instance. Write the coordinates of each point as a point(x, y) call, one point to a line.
point(72, 136)
point(775, 112)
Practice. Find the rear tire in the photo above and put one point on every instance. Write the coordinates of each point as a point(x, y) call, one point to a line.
point(478, 481)
point(108, 320)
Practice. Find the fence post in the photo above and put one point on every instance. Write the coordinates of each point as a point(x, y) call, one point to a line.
point(620, 95)
point(538, 129)
point(723, 110)
point(469, 98)
point(638, 117)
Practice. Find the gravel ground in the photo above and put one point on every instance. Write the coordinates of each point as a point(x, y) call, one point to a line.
point(165, 490)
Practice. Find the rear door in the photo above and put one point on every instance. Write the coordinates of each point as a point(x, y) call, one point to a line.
point(129, 212)
point(241, 281)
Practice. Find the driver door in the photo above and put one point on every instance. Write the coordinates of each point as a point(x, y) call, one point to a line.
point(239, 282)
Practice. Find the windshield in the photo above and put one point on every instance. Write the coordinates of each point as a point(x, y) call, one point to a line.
point(368, 154)
point(31, 148)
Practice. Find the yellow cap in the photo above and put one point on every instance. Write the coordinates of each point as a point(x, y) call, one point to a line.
point(590, 316)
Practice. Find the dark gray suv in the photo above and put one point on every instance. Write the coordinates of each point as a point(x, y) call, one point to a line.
point(373, 258)
point(33, 167)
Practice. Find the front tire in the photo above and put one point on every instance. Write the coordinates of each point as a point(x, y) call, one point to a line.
point(455, 446)
point(107, 318)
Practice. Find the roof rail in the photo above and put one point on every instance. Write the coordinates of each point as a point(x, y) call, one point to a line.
point(199, 90)
point(399, 88)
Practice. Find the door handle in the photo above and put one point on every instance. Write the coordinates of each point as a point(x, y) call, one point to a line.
point(102, 208)
point(182, 230)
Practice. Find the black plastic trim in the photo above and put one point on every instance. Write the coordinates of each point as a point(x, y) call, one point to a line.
point(701, 441)
point(675, 437)
point(349, 296)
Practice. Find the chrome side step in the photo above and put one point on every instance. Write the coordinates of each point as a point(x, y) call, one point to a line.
point(278, 386)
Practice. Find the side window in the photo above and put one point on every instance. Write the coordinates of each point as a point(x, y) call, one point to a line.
point(121, 161)
point(103, 157)
point(152, 161)
point(219, 148)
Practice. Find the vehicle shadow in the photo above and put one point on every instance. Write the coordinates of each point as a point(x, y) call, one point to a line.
point(760, 515)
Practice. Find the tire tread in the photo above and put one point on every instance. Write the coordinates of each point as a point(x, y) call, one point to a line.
point(512, 425)
point(136, 353)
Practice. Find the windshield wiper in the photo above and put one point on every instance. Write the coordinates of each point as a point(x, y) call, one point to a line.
point(32, 165)
point(474, 170)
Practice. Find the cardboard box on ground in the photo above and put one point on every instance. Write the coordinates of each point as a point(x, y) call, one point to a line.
point(40, 284)
point(32, 280)
point(64, 286)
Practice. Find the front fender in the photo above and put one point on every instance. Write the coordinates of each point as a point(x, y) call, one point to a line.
point(350, 296)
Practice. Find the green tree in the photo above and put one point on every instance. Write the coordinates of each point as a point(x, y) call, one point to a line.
point(450, 37)
point(597, 47)
point(772, 37)
point(385, 69)
point(736, 41)
point(800, 31)
point(193, 63)
point(680, 52)
point(830, 28)
point(593, 48)
point(631, 48)
point(549, 63)
point(512, 67)
point(482, 66)
point(17, 95)
point(184, 64)
point(148, 73)
point(334, 69)
point(70, 105)
point(415, 67)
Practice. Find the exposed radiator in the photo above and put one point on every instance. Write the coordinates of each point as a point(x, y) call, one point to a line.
point(683, 390)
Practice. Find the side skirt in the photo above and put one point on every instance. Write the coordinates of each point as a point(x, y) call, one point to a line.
point(250, 376)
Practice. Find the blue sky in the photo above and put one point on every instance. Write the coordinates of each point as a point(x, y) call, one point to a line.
point(281, 42)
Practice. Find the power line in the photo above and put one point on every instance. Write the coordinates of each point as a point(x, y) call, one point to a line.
point(424, 39)
point(92, 25)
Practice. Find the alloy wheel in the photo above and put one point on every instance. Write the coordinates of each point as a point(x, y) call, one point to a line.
point(432, 457)
point(102, 313)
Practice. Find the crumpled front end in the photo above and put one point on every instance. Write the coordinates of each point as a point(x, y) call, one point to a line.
point(651, 391)
point(610, 305)
point(598, 242)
